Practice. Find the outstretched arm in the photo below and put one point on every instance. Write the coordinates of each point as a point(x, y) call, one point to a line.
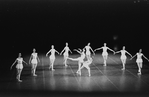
point(24, 62)
point(62, 51)
point(77, 51)
point(145, 58)
point(48, 52)
point(111, 50)
point(129, 54)
point(70, 51)
point(97, 49)
point(38, 59)
point(30, 59)
point(92, 50)
point(13, 64)
point(117, 52)
point(56, 51)
point(133, 57)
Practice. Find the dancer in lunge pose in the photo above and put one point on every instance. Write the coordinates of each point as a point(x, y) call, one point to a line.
point(88, 48)
point(52, 56)
point(86, 64)
point(123, 56)
point(139, 60)
point(66, 53)
point(105, 53)
point(19, 66)
point(34, 59)
point(79, 59)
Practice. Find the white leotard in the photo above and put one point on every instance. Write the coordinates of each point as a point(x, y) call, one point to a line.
point(52, 56)
point(34, 60)
point(123, 56)
point(66, 54)
point(139, 57)
point(87, 50)
point(19, 65)
point(104, 53)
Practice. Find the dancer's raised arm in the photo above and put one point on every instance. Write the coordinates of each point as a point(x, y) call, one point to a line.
point(133, 57)
point(145, 58)
point(129, 54)
point(13, 64)
point(48, 52)
point(98, 49)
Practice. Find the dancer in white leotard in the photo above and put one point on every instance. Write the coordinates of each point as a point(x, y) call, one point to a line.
point(88, 48)
point(86, 64)
point(66, 53)
point(79, 59)
point(52, 56)
point(105, 53)
point(139, 60)
point(19, 66)
point(123, 56)
point(34, 59)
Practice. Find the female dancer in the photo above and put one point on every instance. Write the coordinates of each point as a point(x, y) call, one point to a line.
point(79, 59)
point(34, 59)
point(139, 60)
point(88, 48)
point(52, 56)
point(19, 66)
point(66, 54)
point(86, 65)
point(123, 56)
point(105, 53)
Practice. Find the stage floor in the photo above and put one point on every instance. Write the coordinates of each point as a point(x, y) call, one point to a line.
point(103, 79)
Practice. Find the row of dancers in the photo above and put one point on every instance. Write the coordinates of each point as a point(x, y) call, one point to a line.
point(85, 53)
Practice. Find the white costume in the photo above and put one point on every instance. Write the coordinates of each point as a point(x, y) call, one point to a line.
point(104, 53)
point(19, 65)
point(87, 50)
point(34, 60)
point(139, 57)
point(52, 56)
point(123, 56)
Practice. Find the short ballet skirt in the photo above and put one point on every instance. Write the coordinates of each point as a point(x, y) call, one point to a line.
point(104, 54)
point(19, 66)
point(139, 60)
point(34, 61)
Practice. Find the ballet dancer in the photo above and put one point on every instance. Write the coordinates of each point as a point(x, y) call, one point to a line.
point(123, 56)
point(52, 56)
point(19, 66)
point(79, 59)
point(86, 64)
point(34, 59)
point(105, 53)
point(139, 60)
point(88, 48)
point(66, 53)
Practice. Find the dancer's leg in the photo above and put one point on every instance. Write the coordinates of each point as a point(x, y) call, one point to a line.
point(139, 67)
point(19, 74)
point(105, 59)
point(123, 63)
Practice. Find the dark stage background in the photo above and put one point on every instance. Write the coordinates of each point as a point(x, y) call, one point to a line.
point(28, 24)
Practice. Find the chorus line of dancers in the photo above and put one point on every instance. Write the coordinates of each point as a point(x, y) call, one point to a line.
point(84, 53)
